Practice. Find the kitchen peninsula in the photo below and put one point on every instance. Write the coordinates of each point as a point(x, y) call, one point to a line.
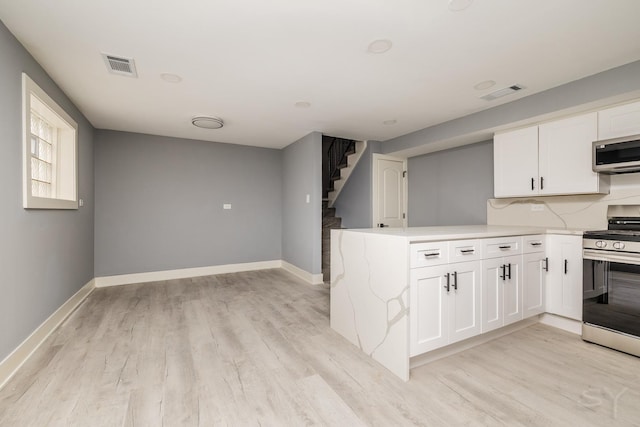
point(398, 294)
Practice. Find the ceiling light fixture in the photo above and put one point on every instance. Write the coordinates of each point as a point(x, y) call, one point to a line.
point(207, 122)
point(459, 5)
point(389, 122)
point(379, 46)
point(484, 85)
point(502, 92)
point(302, 104)
point(171, 78)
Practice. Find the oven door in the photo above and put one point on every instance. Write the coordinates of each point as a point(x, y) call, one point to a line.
point(611, 292)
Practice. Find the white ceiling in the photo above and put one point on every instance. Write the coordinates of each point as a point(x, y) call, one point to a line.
point(250, 61)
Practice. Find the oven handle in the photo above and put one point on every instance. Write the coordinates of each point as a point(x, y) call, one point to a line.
point(595, 255)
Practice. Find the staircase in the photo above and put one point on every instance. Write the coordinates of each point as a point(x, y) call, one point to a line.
point(342, 156)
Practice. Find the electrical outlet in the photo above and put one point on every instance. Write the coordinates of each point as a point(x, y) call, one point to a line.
point(226, 206)
point(537, 207)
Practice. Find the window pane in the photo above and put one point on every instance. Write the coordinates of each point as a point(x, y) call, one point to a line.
point(34, 170)
point(34, 188)
point(34, 145)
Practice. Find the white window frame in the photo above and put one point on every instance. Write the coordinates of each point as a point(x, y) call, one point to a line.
point(29, 88)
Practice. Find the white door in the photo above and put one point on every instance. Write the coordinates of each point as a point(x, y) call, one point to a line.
point(464, 308)
point(389, 191)
point(515, 163)
point(565, 155)
point(428, 328)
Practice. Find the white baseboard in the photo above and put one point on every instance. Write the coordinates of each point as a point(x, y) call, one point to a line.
point(569, 325)
point(183, 273)
point(314, 279)
point(21, 354)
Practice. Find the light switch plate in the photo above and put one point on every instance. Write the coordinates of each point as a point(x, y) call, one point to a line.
point(226, 206)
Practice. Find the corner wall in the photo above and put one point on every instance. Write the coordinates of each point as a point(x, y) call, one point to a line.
point(45, 255)
point(302, 220)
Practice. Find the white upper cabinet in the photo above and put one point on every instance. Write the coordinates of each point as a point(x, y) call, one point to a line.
point(565, 156)
point(515, 163)
point(551, 159)
point(623, 120)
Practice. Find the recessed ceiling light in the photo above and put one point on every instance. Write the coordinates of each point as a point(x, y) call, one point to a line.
point(207, 122)
point(302, 104)
point(379, 46)
point(171, 78)
point(484, 85)
point(389, 122)
point(458, 5)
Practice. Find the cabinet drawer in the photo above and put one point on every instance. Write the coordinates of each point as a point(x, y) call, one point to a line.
point(502, 246)
point(465, 250)
point(430, 253)
point(533, 244)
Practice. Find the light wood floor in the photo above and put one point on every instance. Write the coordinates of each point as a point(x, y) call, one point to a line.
point(252, 349)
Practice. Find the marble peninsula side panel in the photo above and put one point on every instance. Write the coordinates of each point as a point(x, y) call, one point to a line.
point(370, 295)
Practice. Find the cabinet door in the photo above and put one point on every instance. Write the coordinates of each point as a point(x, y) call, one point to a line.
point(515, 163)
point(465, 308)
point(512, 292)
point(533, 284)
point(564, 279)
point(623, 120)
point(565, 156)
point(492, 288)
point(429, 313)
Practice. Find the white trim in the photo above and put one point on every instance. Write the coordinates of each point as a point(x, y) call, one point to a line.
point(569, 325)
point(13, 362)
point(183, 273)
point(374, 188)
point(313, 279)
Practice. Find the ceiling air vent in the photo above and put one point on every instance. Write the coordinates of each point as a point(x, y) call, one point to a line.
point(502, 92)
point(120, 65)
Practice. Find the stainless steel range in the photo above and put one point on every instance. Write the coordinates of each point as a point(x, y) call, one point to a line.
point(611, 292)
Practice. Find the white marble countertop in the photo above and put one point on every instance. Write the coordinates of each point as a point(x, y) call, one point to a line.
point(457, 232)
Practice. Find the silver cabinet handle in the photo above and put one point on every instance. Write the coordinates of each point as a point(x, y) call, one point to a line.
point(546, 264)
point(448, 286)
point(455, 280)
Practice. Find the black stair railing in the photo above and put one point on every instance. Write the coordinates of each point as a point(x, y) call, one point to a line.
point(338, 152)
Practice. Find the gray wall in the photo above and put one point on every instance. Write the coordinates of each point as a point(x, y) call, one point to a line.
point(159, 203)
point(302, 221)
point(451, 187)
point(354, 201)
point(605, 85)
point(45, 255)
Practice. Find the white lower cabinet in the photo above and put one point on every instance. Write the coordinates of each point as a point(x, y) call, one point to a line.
point(533, 294)
point(445, 305)
point(501, 292)
point(564, 278)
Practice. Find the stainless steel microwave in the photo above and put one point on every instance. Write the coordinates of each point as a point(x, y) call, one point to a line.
point(618, 155)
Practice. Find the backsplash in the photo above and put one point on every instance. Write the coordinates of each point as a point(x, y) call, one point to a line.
point(578, 212)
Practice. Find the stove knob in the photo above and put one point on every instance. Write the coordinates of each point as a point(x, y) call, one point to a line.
point(618, 245)
point(601, 244)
